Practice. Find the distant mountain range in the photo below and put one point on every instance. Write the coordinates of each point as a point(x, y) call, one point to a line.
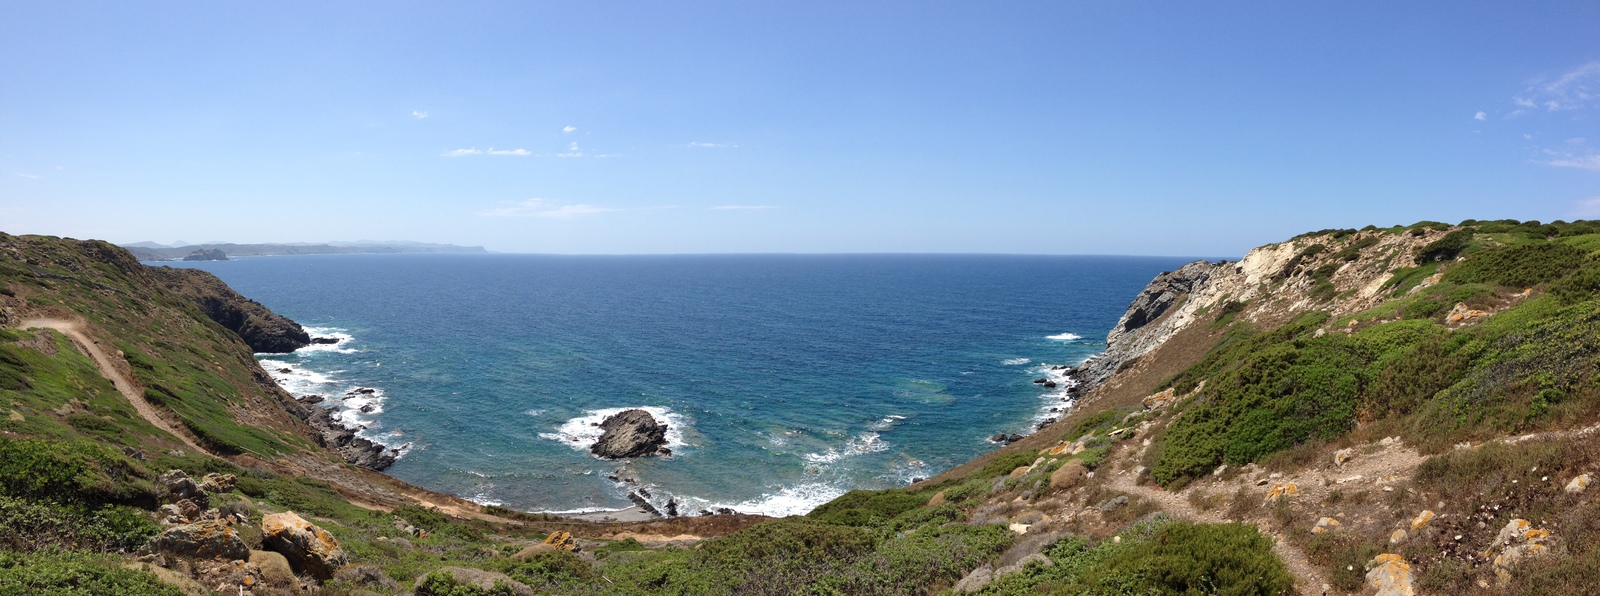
point(152, 251)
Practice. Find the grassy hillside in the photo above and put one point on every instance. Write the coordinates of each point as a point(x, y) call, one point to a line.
point(1299, 407)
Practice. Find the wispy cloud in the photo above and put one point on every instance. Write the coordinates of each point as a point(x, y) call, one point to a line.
point(1577, 88)
point(1589, 161)
point(705, 145)
point(572, 151)
point(491, 151)
point(29, 176)
point(419, 114)
point(568, 129)
point(742, 207)
point(546, 209)
point(1480, 116)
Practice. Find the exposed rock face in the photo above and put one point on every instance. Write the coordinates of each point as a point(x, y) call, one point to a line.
point(1391, 575)
point(180, 487)
point(1129, 338)
point(206, 254)
point(335, 435)
point(206, 539)
point(309, 549)
point(218, 483)
point(630, 433)
point(261, 329)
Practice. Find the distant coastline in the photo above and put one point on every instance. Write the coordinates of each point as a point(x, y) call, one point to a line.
point(150, 251)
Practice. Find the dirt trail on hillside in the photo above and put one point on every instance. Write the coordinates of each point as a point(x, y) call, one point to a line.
point(74, 331)
point(1308, 578)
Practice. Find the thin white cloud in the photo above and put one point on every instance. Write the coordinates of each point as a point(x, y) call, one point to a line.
point(1480, 116)
point(419, 114)
point(1575, 89)
point(1586, 208)
point(29, 176)
point(705, 145)
point(491, 151)
point(572, 151)
point(545, 209)
point(742, 207)
point(1586, 162)
point(568, 129)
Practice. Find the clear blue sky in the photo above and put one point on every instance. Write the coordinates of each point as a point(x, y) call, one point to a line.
point(1174, 128)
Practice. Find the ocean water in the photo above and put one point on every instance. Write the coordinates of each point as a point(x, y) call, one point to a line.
point(786, 379)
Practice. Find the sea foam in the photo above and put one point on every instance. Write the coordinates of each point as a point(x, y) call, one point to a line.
point(582, 432)
point(1065, 337)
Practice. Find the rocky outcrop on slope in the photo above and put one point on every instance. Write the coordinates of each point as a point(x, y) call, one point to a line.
point(333, 434)
point(309, 549)
point(631, 433)
point(1131, 337)
point(260, 328)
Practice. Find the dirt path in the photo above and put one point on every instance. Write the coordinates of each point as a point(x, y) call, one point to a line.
point(74, 331)
point(1308, 579)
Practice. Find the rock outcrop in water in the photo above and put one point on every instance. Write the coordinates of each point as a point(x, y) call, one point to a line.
point(631, 433)
point(1130, 338)
point(204, 254)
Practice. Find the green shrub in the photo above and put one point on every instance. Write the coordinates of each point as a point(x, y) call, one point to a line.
point(1446, 248)
point(1518, 266)
point(28, 525)
point(549, 569)
point(76, 471)
point(441, 583)
point(75, 574)
point(1007, 462)
point(867, 507)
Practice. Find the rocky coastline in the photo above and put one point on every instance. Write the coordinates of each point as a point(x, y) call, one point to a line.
point(260, 328)
point(333, 434)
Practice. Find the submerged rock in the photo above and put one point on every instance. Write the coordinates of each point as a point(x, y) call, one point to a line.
point(630, 433)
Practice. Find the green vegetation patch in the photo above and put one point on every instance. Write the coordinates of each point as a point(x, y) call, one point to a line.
point(75, 574)
point(1157, 556)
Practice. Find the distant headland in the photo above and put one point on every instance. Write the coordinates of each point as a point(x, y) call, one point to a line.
point(216, 251)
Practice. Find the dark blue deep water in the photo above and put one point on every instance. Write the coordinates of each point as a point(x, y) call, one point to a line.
point(787, 379)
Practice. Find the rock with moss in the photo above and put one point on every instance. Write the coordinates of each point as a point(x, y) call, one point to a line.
point(205, 539)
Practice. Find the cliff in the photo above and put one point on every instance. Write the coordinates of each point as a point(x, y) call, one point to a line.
point(260, 328)
point(1387, 410)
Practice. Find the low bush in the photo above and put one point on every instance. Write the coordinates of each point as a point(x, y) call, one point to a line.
point(867, 507)
point(1446, 248)
point(75, 574)
point(76, 471)
point(1519, 267)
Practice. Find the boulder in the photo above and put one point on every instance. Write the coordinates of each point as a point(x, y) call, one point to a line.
point(531, 550)
point(1517, 541)
point(1069, 475)
point(1324, 524)
point(274, 568)
point(1343, 455)
point(310, 550)
point(179, 487)
point(561, 540)
point(1579, 483)
point(630, 433)
point(218, 483)
point(1422, 519)
point(1283, 490)
point(937, 500)
point(1397, 537)
point(207, 539)
point(365, 575)
point(463, 576)
point(1391, 575)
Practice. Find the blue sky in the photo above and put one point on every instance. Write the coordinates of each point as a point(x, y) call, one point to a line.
point(1175, 128)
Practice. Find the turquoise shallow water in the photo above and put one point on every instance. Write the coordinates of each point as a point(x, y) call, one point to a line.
point(787, 379)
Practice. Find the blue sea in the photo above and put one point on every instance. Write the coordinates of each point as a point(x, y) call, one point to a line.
point(786, 379)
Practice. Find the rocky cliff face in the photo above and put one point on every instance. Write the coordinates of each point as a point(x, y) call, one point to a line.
point(1340, 274)
point(262, 329)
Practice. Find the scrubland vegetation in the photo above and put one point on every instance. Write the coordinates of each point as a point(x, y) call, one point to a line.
point(1486, 330)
